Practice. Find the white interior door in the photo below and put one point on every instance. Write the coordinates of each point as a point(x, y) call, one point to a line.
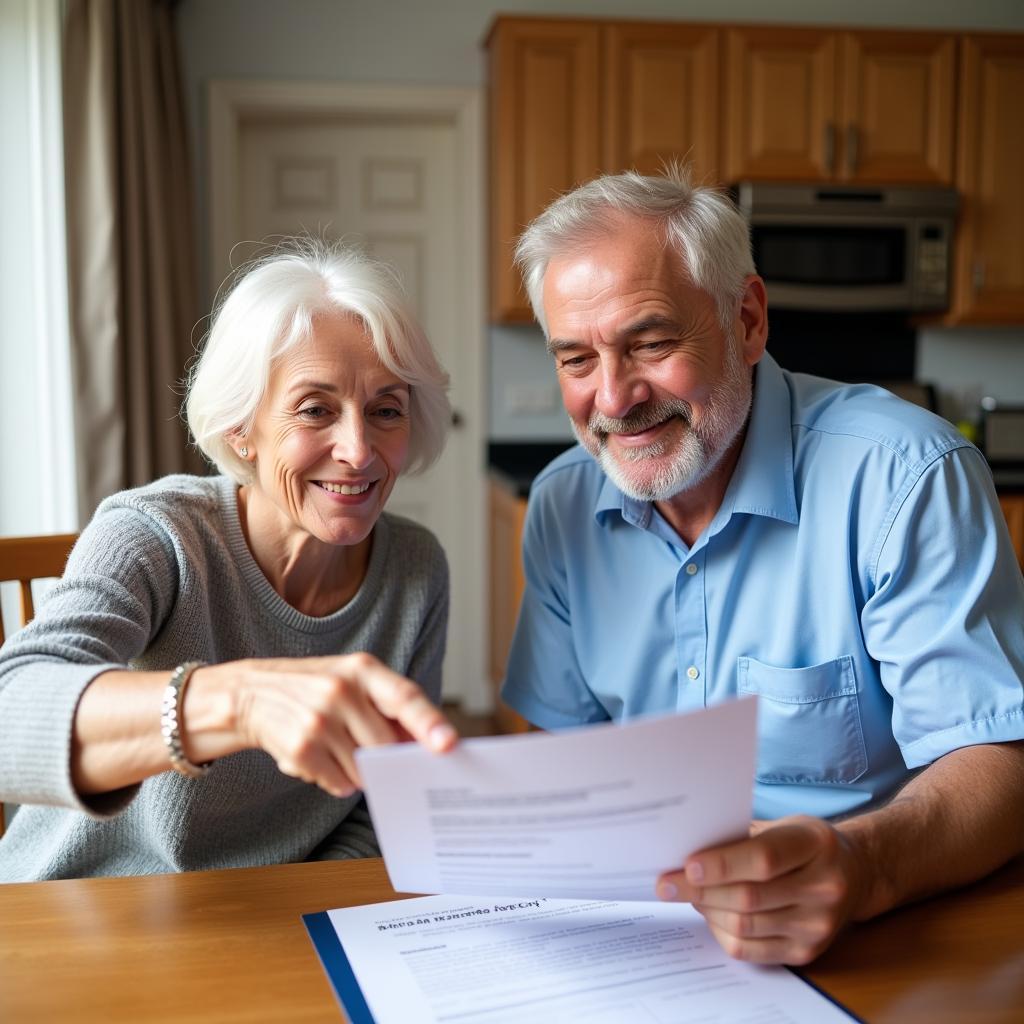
point(392, 185)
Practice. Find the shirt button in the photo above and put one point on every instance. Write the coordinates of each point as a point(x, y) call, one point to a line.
point(693, 672)
point(691, 570)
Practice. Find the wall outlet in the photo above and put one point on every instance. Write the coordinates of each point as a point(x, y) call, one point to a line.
point(530, 399)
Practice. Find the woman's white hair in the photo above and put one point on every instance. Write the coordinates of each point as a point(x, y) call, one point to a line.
point(274, 304)
point(701, 224)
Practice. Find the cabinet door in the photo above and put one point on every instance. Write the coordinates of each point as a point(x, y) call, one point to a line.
point(989, 279)
point(507, 514)
point(1013, 509)
point(661, 98)
point(780, 108)
point(544, 135)
point(897, 107)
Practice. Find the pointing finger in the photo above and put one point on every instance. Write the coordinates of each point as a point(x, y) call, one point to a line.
point(402, 700)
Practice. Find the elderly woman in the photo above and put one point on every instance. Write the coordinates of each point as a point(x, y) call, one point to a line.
point(193, 692)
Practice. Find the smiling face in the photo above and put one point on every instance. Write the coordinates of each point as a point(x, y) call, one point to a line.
point(655, 389)
point(330, 436)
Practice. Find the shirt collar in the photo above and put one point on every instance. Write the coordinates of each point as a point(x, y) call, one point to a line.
point(762, 482)
point(611, 499)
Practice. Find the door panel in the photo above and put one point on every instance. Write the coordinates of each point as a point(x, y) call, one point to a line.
point(897, 117)
point(780, 104)
point(391, 186)
point(989, 280)
point(661, 98)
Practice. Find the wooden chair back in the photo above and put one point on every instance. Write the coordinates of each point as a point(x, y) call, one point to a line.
point(24, 559)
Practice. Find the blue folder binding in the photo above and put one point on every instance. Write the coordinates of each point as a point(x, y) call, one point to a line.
point(832, 999)
point(339, 971)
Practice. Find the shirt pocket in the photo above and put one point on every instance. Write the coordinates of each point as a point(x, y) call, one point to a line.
point(808, 726)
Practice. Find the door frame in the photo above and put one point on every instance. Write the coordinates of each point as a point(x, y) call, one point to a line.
point(231, 102)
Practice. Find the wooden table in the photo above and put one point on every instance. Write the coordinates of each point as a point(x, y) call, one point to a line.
point(230, 946)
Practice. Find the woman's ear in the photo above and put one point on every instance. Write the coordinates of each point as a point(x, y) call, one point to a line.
point(238, 441)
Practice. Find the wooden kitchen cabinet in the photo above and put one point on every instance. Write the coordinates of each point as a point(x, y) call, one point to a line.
point(1013, 509)
point(661, 97)
point(544, 137)
point(507, 512)
point(570, 99)
point(780, 104)
point(897, 107)
point(988, 283)
point(854, 107)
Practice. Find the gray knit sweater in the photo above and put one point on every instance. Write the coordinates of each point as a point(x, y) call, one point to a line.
point(163, 575)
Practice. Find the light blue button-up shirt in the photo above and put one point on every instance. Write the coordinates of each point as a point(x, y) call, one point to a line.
point(858, 577)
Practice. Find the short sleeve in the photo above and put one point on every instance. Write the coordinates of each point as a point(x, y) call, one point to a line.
point(946, 618)
point(543, 680)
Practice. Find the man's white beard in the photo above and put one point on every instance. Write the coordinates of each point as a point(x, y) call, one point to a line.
point(697, 453)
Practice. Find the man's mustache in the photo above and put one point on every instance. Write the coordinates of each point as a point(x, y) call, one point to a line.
point(643, 417)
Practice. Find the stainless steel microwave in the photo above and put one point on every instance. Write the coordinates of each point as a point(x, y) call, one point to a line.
point(844, 247)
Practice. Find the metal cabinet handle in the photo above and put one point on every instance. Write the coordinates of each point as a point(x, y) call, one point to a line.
point(830, 147)
point(978, 275)
point(852, 149)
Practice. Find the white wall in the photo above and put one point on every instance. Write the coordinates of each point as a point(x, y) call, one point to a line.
point(439, 42)
point(968, 363)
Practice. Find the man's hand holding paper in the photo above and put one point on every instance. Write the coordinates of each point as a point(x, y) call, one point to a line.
point(778, 896)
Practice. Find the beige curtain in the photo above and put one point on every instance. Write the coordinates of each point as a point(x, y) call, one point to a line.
point(131, 249)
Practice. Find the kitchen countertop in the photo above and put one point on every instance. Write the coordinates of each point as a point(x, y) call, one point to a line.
point(516, 463)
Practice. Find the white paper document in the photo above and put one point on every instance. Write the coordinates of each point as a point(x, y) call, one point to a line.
point(450, 961)
point(595, 813)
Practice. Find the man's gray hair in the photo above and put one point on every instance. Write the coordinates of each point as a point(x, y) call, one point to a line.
point(274, 304)
point(701, 224)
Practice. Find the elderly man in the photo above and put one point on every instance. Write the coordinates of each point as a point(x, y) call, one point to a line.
point(726, 528)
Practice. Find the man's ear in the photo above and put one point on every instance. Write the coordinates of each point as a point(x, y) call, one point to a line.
point(752, 320)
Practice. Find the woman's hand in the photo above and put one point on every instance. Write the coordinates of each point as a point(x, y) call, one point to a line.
point(310, 714)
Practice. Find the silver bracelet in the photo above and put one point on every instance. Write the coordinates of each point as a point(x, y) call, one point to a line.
point(170, 724)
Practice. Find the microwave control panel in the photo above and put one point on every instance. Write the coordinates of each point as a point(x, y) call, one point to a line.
point(931, 270)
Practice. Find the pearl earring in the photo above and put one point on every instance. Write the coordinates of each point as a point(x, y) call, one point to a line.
point(244, 452)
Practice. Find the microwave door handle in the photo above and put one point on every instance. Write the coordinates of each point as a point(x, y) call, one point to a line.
point(830, 147)
point(852, 147)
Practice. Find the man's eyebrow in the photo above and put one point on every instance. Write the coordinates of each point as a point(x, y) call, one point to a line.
point(555, 345)
point(650, 323)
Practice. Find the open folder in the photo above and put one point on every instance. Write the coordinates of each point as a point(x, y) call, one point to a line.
point(457, 961)
point(547, 848)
